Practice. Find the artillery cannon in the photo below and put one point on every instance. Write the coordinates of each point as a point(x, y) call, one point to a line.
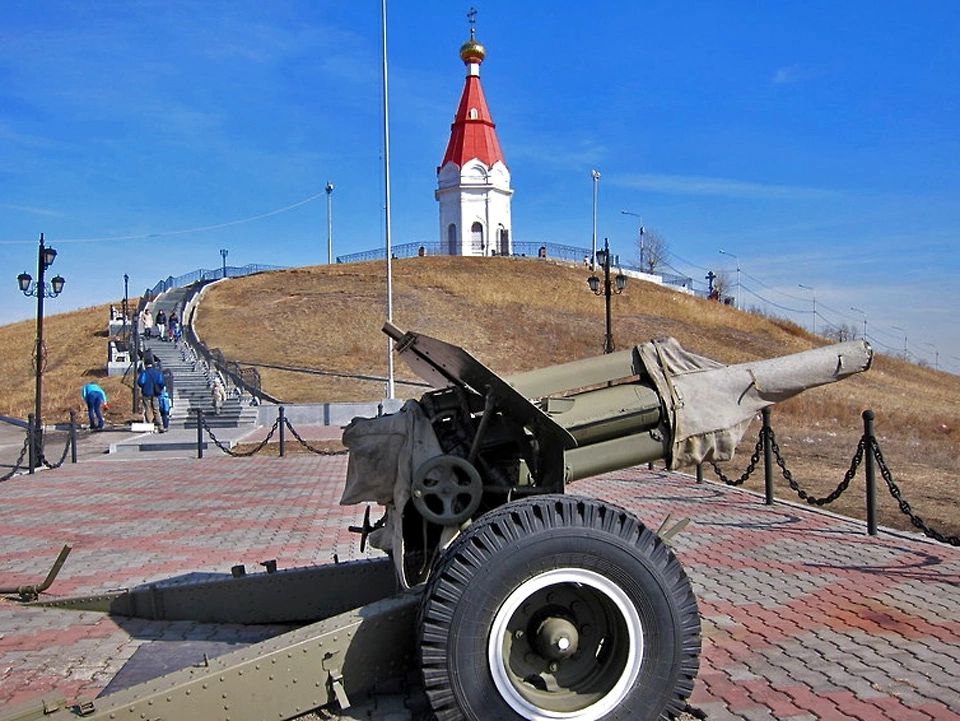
point(518, 600)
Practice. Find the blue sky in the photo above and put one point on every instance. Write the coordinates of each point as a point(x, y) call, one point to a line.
point(817, 141)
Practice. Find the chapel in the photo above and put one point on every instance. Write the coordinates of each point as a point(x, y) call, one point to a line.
point(473, 181)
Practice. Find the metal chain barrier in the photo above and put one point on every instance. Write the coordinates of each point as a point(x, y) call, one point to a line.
point(19, 464)
point(905, 508)
point(751, 467)
point(833, 495)
point(63, 457)
point(240, 454)
point(312, 449)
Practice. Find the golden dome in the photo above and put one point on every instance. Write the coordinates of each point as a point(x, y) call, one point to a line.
point(472, 51)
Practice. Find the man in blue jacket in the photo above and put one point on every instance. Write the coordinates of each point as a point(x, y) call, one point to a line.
point(95, 398)
point(151, 385)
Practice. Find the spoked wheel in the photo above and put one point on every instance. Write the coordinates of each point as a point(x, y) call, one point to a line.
point(558, 607)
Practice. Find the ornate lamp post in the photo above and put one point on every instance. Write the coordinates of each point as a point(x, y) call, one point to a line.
point(40, 289)
point(126, 303)
point(603, 258)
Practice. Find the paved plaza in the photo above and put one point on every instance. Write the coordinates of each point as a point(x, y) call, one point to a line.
point(804, 616)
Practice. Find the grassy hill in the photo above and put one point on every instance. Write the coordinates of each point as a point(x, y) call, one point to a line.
point(76, 345)
point(516, 314)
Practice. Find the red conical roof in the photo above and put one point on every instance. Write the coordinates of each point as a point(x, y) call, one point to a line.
point(473, 133)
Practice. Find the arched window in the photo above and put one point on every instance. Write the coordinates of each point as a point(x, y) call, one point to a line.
point(476, 239)
point(473, 114)
point(452, 240)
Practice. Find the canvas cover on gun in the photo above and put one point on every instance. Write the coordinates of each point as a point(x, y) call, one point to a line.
point(709, 405)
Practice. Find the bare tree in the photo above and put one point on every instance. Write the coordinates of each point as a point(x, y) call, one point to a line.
point(721, 286)
point(652, 249)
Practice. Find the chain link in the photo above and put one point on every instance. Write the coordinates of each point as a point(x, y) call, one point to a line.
point(905, 508)
point(751, 467)
point(19, 464)
point(318, 451)
point(239, 454)
point(63, 457)
point(833, 495)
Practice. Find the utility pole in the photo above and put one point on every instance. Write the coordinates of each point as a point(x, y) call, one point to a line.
point(864, 314)
point(736, 258)
point(329, 190)
point(595, 174)
point(641, 231)
point(814, 292)
point(386, 196)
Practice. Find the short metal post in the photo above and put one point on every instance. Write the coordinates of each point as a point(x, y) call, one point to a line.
point(73, 436)
point(32, 462)
point(871, 473)
point(699, 473)
point(283, 435)
point(199, 433)
point(767, 458)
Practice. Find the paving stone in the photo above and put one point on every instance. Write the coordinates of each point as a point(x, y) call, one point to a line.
point(804, 616)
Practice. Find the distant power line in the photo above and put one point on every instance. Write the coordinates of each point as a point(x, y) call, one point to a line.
point(184, 231)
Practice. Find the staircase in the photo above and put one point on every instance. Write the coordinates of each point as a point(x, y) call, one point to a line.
point(191, 390)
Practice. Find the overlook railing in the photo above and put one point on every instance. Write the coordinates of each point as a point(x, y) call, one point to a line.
point(232, 271)
point(553, 251)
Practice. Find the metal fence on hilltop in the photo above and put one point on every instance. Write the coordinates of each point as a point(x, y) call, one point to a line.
point(526, 249)
point(207, 274)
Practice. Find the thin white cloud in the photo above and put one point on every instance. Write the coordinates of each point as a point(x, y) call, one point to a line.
point(718, 187)
point(32, 210)
point(576, 154)
point(794, 74)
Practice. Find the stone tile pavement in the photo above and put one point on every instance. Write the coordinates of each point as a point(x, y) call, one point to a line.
point(804, 616)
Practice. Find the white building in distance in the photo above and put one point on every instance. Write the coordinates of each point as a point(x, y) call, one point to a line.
point(473, 181)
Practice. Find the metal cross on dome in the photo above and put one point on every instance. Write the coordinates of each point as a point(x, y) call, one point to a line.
point(472, 19)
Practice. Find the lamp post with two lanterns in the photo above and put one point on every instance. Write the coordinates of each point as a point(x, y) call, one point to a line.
point(620, 281)
point(40, 288)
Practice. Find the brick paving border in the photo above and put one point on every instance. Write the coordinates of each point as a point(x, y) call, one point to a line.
point(804, 616)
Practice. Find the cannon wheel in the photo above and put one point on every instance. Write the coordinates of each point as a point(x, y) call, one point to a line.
point(558, 607)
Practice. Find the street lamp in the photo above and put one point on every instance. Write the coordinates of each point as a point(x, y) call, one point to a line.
point(603, 258)
point(906, 353)
point(737, 258)
point(640, 233)
point(595, 174)
point(864, 314)
point(814, 292)
point(329, 190)
point(126, 303)
point(45, 258)
point(223, 257)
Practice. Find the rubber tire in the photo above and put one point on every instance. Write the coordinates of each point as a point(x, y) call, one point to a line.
point(523, 539)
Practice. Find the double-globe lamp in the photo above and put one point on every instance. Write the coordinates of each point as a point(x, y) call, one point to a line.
point(619, 283)
point(38, 288)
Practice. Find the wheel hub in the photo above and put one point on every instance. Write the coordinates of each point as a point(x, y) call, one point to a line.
point(557, 638)
point(566, 644)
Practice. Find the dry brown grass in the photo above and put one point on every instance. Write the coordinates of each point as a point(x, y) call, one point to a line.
point(76, 354)
point(518, 314)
